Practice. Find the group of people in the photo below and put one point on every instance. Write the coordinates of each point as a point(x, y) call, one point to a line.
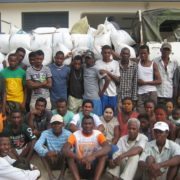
point(118, 114)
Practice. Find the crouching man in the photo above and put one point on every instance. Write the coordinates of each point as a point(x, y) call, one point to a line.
point(49, 146)
point(125, 161)
point(90, 151)
point(161, 157)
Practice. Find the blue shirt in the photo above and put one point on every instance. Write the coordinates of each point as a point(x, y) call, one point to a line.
point(60, 77)
point(48, 141)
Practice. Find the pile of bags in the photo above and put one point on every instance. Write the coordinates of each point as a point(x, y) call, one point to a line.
point(77, 40)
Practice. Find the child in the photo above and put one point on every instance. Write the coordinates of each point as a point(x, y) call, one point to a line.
point(76, 85)
point(7, 159)
point(127, 113)
point(169, 107)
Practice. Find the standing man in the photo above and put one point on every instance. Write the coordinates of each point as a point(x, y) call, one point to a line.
point(148, 78)
point(92, 90)
point(109, 67)
point(13, 77)
point(38, 79)
point(91, 148)
point(60, 77)
point(20, 53)
point(161, 157)
point(167, 67)
point(128, 81)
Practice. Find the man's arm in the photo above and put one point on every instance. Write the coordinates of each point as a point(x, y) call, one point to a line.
point(35, 85)
point(106, 84)
point(48, 83)
point(112, 76)
point(116, 135)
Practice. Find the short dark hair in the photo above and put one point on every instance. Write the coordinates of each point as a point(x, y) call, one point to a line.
point(11, 55)
point(88, 101)
point(87, 117)
point(61, 100)
point(161, 107)
point(108, 106)
point(4, 135)
point(21, 50)
point(78, 58)
point(127, 98)
point(32, 54)
point(16, 111)
point(39, 53)
point(41, 99)
point(59, 53)
point(149, 101)
point(106, 47)
point(144, 46)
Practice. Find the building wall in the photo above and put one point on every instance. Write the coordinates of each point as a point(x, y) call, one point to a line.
point(12, 12)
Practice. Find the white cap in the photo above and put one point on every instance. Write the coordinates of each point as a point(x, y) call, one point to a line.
point(161, 126)
point(56, 118)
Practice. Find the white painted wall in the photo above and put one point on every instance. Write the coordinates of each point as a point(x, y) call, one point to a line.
point(12, 12)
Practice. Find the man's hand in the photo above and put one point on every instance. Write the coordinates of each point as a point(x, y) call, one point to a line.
point(103, 71)
point(118, 160)
point(112, 164)
point(155, 170)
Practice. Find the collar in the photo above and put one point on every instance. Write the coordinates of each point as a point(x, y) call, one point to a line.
point(129, 64)
point(137, 138)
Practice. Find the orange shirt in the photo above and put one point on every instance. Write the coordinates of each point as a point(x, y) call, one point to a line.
point(2, 119)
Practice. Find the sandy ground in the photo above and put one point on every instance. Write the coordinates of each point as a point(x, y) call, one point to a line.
point(44, 176)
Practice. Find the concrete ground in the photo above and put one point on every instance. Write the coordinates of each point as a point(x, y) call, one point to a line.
point(44, 175)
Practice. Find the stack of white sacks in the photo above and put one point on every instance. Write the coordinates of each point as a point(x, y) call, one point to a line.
point(51, 40)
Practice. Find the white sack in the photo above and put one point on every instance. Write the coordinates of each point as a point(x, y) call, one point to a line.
point(4, 43)
point(44, 30)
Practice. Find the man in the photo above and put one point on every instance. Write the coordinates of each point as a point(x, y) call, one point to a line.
point(61, 109)
point(128, 80)
point(148, 78)
point(76, 85)
point(38, 79)
point(39, 117)
point(87, 108)
point(125, 161)
point(20, 54)
point(60, 77)
point(91, 83)
point(91, 149)
point(14, 82)
point(109, 67)
point(21, 136)
point(161, 157)
point(7, 160)
point(167, 67)
point(49, 146)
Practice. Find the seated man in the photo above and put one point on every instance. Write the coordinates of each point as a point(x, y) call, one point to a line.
point(125, 161)
point(50, 144)
point(90, 151)
point(61, 109)
point(161, 157)
point(39, 117)
point(7, 170)
point(21, 136)
point(87, 107)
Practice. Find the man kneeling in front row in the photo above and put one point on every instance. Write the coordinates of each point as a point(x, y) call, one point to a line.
point(90, 151)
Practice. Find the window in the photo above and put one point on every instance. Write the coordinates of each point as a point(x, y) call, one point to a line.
point(32, 20)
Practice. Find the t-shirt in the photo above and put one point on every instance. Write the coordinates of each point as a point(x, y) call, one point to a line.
point(20, 138)
point(60, 77)
point(77, 119)
point(113, 68)
point(39, 76)
point(67, 117)
point(14, 82)
point(76, 86)
point(91, 82)
point(86, 145)
point(2, 119)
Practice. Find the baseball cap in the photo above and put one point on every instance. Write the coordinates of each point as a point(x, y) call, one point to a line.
point(166, 45)
point(56, 118)
point(89, 54)
point(161, 126)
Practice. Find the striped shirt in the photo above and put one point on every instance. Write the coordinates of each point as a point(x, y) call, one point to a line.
point(48, 141)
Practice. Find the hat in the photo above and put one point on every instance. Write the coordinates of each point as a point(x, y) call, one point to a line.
point(89, 54)
point(166, 45)
point(161, 126)
point(56, 118)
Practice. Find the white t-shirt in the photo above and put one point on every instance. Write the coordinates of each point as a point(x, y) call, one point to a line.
point(77, 119)
point(7, 171)
point(113, 68)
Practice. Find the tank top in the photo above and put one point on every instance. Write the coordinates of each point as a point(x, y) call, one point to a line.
point(146, 74)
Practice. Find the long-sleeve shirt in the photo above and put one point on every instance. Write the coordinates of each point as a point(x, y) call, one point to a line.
point(48, 141)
